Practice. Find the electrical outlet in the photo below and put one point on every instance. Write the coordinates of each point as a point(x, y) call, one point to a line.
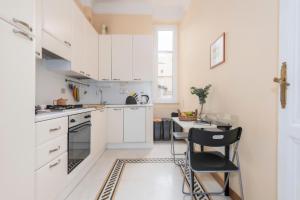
point(63, 90)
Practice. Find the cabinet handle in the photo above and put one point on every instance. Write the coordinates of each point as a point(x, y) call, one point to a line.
point(54, 150)
point(38, 53)
point(22, 33)
point(134, 108)
point(105, 79)
point(116, 79)
point(117, 109)
point(55, 129)
point(17, 21)
point(68, 43)
point(137, 79)
point(55, 164)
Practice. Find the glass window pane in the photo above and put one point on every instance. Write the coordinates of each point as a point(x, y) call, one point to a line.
point(165, 75)
point(165, 86)
point(165, 64)
point(165, 40)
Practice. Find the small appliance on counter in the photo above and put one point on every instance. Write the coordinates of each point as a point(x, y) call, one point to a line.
point(132, 99)
point(145, 99)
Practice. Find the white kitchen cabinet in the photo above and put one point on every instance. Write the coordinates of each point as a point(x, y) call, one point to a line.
point(52, 178)
point(98, 140)
point(38, 28)
point(91, 50)
point(78, 42)
point(57, 25)
point(149, 124)
point(17, 125)
point(122, 57)
point(105, 57)
point(115, 125)
point(135, 124)
point(142, 58)
point(19, 10)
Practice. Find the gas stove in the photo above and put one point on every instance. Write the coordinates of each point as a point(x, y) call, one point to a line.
point(65, 107)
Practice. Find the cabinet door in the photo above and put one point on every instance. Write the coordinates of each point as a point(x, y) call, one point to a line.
point(122, 57)
point(17, 125)
point(20, 10)
point(98, 132)
point(57, 20)
point(149, 124)
point(38, 28)
point(105, 57)
point(142, 58)
point(115, 125)
point(78, 54)
point(52, 178)
point(91, 49)
point(103, 135)
point(134, 125)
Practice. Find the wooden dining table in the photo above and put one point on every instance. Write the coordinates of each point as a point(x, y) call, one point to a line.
point(187, 125)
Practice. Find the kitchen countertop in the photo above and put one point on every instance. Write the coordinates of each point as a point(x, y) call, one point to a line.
point(86, 108)
point(57, 114)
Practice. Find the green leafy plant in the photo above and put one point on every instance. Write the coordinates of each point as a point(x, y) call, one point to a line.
point(202, 94)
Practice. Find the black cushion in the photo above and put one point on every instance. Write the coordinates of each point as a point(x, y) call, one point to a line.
point(211, 161)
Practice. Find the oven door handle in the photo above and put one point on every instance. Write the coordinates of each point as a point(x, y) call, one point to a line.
point(80, 127)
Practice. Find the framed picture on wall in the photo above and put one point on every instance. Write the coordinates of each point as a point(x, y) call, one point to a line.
point(217, 52)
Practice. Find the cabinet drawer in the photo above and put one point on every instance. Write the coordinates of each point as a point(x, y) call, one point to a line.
point(52, 178)
point(50, 129)
point(50, 150)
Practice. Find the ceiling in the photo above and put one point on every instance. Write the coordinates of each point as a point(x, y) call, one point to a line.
point(159, 9)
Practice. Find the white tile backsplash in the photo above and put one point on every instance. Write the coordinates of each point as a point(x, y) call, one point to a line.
point(50, 85)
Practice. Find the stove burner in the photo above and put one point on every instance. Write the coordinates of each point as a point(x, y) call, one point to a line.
point(66, 107)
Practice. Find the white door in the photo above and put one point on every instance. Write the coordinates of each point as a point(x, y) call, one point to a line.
point(17, 138)
point(122, 57)
point(103, 134)
point(115, 125)
point(289, 118)
point(142, 58)
point(38, 28)
point(134, 125)
point(104, 57)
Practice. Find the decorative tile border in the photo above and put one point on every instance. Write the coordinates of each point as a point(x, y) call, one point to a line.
point(108, 189)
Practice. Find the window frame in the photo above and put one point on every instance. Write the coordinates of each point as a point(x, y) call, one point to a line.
point(174, 98)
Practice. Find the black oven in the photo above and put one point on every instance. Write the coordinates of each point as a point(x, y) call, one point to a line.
point(79, 139)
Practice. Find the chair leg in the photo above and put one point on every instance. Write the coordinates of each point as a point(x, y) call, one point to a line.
point(241, 185)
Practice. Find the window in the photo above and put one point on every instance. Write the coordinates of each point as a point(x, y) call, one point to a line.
point(165, 87)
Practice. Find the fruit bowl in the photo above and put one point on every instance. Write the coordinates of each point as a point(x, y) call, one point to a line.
point(188, 116)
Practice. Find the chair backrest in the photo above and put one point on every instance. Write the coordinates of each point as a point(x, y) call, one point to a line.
point(213, 138)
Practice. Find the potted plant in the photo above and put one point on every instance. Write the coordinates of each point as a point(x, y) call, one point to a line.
point(202, 94)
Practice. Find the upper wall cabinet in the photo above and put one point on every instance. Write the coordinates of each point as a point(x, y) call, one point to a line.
point(122, 57)
point(57, 20)
point(142, 58)
point(104, 57)
point(38, 28)
point(91, 51)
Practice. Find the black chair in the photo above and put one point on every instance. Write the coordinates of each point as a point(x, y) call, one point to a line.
point(177, 136)
point(212, 161)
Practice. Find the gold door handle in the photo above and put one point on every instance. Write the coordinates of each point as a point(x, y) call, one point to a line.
point(283, 84)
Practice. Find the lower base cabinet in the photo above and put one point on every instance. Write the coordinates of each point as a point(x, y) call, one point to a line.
point(98, 140)
point(52, 178)
point(135, 125)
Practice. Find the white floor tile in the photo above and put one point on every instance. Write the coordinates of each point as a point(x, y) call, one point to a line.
point(139, 182)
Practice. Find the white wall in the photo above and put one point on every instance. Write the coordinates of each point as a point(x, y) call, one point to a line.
point(49, 86)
